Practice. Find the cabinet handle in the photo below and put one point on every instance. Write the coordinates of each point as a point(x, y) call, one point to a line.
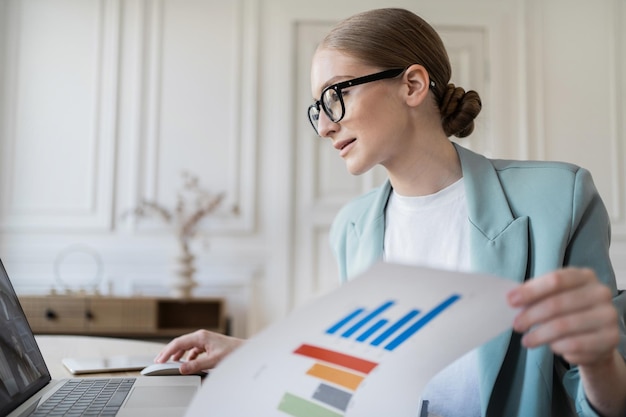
point(89, 315)
point(50, 314)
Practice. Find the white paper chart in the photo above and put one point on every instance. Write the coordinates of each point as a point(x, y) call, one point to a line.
point(367, 349)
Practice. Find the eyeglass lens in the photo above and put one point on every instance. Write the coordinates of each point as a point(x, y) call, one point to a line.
point(314, 116)
point(332, 106)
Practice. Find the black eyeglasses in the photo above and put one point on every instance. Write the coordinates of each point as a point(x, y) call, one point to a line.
point(331, 100)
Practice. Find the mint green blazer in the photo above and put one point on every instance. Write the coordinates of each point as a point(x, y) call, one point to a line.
point(526, 219)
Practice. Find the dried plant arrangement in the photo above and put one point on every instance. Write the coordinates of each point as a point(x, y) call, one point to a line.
point(193, 204)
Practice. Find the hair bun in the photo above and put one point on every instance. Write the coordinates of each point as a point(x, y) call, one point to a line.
point(458, 111)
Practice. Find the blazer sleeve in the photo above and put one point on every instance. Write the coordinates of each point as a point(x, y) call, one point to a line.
point(588, 246)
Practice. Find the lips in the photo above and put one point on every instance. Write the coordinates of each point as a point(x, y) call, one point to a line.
point(340, 145)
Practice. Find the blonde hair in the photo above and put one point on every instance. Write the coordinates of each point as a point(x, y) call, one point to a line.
point(397, 38)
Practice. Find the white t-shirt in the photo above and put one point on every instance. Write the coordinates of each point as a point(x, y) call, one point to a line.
point(433, 231)
point(429, 230)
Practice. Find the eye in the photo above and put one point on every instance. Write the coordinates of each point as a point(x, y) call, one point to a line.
point(332, 96)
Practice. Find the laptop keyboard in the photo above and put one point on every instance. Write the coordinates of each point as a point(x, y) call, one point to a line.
point(87, 397)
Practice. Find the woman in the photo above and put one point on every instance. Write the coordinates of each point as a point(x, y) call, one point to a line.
point(381, 82)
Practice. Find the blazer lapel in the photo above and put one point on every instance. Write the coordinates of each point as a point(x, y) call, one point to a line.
point(368, 233)
point(498, 241)
point(499, 246)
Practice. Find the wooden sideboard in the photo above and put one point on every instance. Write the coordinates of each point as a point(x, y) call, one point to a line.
point(136, 317)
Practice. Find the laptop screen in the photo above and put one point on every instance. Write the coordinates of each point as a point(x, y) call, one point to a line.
point(22, 368)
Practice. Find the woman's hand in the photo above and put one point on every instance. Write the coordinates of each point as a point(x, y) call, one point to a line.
point(204, 350)
point(572, 311)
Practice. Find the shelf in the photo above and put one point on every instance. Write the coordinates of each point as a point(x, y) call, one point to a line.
point(144, 317)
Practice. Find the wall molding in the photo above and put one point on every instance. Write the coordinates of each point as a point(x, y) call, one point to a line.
point(240, 148)
point(94, 213)
point(618, 116)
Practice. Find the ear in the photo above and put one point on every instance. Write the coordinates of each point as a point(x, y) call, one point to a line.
point(417, 79)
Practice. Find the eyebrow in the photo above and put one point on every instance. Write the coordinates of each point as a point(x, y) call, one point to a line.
point(334, 80)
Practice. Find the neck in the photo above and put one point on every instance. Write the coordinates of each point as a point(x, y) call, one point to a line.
point(426, 170)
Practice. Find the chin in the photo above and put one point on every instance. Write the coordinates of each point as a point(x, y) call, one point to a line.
point(356, 169)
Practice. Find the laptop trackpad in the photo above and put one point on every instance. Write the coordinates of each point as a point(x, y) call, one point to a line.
point(157, 397)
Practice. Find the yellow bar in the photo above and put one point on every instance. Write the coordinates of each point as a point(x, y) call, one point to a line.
point(336, 376)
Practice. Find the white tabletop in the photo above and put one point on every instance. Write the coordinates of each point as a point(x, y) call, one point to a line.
point(55, 348)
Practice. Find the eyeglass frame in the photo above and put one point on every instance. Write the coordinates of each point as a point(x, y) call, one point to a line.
point(382, 75)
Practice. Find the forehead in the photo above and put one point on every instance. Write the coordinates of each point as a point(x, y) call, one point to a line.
point(330, 66)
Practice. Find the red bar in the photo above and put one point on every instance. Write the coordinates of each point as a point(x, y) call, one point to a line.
point(341, 359)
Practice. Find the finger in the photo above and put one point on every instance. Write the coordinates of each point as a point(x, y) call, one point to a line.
point(176, 356)
point(178, 346)
point(549, 284)
point(591, 321)
point(193, 353)
point(568, 302)
point(164, 355)
point(170, 351)
point(588, 349)
point(202, 363)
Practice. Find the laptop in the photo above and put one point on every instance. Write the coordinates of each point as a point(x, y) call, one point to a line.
point(26, 384)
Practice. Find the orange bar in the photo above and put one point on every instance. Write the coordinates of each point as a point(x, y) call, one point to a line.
point(336, 376)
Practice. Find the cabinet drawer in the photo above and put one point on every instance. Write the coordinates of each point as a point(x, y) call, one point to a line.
point(122, 316)
point(55, 314)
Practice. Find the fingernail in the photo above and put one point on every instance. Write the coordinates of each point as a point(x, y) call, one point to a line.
point(525, 340)
point(515, 298)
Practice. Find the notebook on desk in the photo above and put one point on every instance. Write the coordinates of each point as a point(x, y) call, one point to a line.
point(27, 389)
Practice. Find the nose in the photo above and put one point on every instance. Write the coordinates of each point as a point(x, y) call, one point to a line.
point(325, 126)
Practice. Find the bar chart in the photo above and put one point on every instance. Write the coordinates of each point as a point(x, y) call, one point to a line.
point(367, 349)
point(340, 374)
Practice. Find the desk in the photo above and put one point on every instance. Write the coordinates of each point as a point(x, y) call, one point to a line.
point(55, 348)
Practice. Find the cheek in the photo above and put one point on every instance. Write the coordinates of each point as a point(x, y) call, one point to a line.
point(377, 124)
point(363, 114)
point(373, 108)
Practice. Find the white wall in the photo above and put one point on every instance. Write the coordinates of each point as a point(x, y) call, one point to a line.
point(104, 102)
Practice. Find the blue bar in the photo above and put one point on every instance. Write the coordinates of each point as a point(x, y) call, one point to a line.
point(343, 321)
point(371, 330)
point(422, 322)
point(367, 319)
point(387, 333)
